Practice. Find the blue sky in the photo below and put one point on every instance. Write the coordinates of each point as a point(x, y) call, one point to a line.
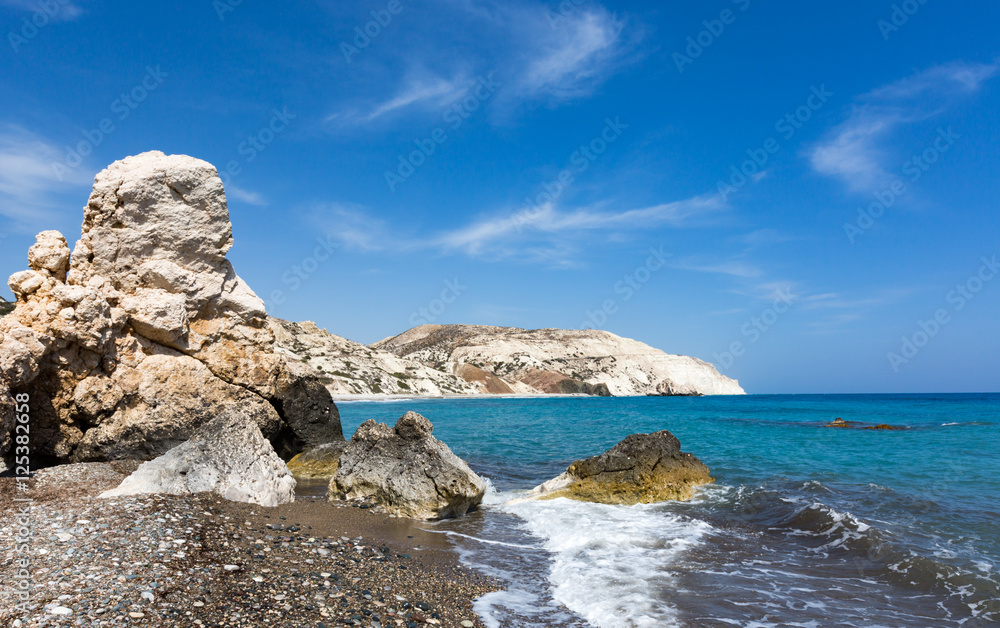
point(804, 194)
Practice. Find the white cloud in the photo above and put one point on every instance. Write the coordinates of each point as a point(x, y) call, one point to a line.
point(245, 196)
point(567, 61)
point(425, 93)
point(942, 80)
point(351, 225)
point(549, 236)
point(499, 234)
point(731, 268)
point(27, 178)
point(857, 149)
point(534, 59)
point(765, 237)
point(64, 11)
point(854, 154)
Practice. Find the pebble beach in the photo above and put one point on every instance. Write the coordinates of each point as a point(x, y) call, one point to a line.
point(199, 560)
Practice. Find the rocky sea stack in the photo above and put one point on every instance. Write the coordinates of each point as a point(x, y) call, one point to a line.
point(145, 333)
point(643, 468)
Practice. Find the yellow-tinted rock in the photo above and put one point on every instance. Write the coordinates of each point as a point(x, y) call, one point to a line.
point(317, 463)
point(643, 468)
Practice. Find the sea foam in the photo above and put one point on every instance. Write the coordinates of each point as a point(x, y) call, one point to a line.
point(611, 564)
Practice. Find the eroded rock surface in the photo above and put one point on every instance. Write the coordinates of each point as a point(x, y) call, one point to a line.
point(228, 456)
point(406, 471)
point(145, 332)
point(642, 468)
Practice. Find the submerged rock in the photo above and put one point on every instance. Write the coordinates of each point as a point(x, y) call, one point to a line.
point(317, 463)
point(145, 333)
point(643, 468)
point(228, 456)
point(406, 471)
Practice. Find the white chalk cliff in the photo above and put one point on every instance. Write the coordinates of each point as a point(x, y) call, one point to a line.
point(471, 359)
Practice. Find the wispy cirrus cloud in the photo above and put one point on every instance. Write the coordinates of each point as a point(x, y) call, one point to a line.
point(549, 236)
point(857, 150)
point(732, 268)
point(421, 92)
point(500, 235)
point(245, 196)
point(537, 61)
point(29, 186)
point(352, 226)
point(60, 11)
point(571, 59)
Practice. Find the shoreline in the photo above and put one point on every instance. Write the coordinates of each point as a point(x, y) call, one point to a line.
point(199, 560)
point(342, 398)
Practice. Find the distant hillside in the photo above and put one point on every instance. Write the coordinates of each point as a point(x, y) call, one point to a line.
point(6, 307)
point(351, 368)
point(508, 359)
point(435, 360)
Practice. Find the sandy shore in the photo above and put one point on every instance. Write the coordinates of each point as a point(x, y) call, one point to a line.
point(199, 560)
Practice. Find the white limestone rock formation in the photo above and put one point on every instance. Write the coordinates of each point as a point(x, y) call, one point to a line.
point(227, 456)
point(146, 332)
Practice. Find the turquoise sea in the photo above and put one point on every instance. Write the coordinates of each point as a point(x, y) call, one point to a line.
point(805, 525)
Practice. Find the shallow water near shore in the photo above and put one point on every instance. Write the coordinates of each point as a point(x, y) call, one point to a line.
point(804, 525)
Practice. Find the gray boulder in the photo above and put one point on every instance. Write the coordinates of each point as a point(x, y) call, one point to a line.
point(228, 456)
point(406, 471)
